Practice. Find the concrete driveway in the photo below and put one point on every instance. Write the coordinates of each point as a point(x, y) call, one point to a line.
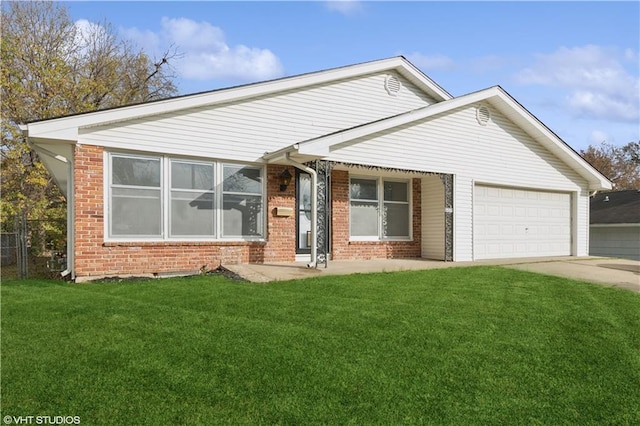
point(608, 271)
point(602, 270)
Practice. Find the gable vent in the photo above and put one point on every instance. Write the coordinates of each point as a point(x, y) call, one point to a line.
point(483, 115)
point(392, 85)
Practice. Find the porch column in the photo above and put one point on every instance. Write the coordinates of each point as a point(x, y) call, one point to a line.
point(447, 181)
point(323, 169)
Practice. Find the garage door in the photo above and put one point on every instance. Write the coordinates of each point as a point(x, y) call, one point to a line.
point(512, 222)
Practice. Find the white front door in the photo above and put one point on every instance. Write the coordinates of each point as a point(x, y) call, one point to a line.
point(303, 213)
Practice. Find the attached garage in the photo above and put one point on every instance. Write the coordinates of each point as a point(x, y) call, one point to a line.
point(511, 222)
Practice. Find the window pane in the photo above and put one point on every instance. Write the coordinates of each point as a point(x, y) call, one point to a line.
point(242, 216)
point(242, 179)
point(192, 213)
point(191, 176)
point(135, 171)
point(395, 191)
point(364, 219)
point(363, 189)
point(396, 220)
point(136, 212)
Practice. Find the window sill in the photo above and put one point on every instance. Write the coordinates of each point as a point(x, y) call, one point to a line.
point(166, 243)
point(379, 242)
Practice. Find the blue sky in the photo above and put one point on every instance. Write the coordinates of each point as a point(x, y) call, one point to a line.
point(574, 65)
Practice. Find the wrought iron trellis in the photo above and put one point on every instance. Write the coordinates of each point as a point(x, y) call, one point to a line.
point(447, 181)
point(323, 170)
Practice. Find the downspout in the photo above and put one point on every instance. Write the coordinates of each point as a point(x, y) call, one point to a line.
point(314, 208)
point(70, 206)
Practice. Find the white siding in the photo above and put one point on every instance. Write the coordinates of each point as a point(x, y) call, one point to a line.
point(499, 153)
point(615, 241)
point(580, 223)
point(432, 218)
point(462, 218)
point(245, 130)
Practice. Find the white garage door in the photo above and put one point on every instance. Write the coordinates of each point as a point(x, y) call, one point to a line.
point(512, 222)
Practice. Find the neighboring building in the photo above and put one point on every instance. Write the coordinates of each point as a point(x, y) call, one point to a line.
point(615, 224)
point(384, 164)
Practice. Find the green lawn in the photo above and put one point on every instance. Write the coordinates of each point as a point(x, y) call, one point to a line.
point(482, 345)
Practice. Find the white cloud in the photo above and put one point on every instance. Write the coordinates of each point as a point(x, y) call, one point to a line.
point(204, 52)
point(88, 35)
point(345, 7)
point(598, 84)
point(598, 136)
point(146, 40)
point(431, 62)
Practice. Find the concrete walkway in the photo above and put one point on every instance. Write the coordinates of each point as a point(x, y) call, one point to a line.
point(608, 271)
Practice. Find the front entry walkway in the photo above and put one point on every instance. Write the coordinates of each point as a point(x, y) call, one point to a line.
point(609, 271)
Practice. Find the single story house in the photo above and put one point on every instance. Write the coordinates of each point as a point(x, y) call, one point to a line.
point(615, 224)
point(372, 160)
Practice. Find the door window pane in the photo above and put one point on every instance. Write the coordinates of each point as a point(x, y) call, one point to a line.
point(304, 211)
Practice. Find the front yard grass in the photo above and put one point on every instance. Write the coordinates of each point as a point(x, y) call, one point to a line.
point(481, 345)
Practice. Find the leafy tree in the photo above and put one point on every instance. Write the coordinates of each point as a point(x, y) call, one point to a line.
point(50, 67)
point(621, 164)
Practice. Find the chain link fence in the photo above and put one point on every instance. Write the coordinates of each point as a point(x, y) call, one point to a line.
point(33, 248)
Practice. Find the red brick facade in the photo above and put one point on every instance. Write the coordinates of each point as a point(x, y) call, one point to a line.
point(343, 249)
point(94, 257)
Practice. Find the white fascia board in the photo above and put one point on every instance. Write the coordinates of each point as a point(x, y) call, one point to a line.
point(67, 128)
point(553, 143)
point(421, 80)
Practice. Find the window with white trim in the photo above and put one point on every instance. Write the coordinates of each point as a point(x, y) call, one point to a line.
point(242, 201)
point(192, 199)
point(160, 198)
point(136, 196)
point(380, 209)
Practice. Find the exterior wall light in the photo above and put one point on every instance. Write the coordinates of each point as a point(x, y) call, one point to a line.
point(285, 180)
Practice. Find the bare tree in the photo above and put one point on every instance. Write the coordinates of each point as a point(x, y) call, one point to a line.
point(50, 67)
point(620, 164)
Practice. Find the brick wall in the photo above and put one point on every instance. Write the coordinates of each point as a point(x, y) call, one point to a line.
point(343, 249)
point(95, 257)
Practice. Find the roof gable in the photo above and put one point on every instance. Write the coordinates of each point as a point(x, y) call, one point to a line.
point(495, 96)
point(66, 128)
